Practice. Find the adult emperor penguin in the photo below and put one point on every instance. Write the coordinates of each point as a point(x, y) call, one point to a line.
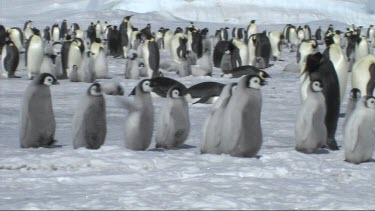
point(34, 55)
point(94, 48)
point(300, 33)
point(214, 122)
point(91, 32)
point(174, 123)
point(3, 36)
point(310, 131)
point(319, 34)
point(178, 46)
point(27, 30)
point(126, 33)
point(371, 35)
point(161, 86)
point(359, 132)
point(37, 126)
point(64, 55)
point(363, 75)
point(75, 55)
point(320, 68)
point(151, 57)
point(245, 70)
point(240, 53)
point(10, 58)
point(168, 34)
point(293, 38)
point(355, 96)
point(89, 121)
point(205, 92)
point(55, 32)
point(334, 53)
point(307, 32)
point(306, 48)
point(47, 34)
point(361, 48)
point(276, 38)
point(16, 36)
point(63, 29)
point(114, 42)
point(47, 65)
point(101, 64)
point(140, 121)
point(251, 29)
point(262, 50)
point(239, 138)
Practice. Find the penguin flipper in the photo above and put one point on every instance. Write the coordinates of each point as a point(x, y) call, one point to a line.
point(204, 99)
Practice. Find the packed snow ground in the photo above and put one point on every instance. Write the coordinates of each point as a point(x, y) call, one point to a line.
point(116, 178)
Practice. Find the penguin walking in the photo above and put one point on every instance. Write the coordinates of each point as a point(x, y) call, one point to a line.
point(359, 132)
point(89, 121)
point(140, 121)
point(355, 96)
point(151, 57)
point(34, 55)
point(37, 126)
point(10, 58)
point(239, 138)
point(214, 122)
point(174, 124)
point(310, 131)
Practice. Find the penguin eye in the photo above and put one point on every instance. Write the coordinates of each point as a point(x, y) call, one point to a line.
point(176, 93)
point(371, 103)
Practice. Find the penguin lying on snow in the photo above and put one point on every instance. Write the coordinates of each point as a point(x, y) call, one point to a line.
point(89, 122)
point(246, 70)
point(161, 85)
point(205, 92)
point(174, 124)
point(37, 126)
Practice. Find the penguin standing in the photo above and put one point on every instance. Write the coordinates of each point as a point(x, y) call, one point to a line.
point(126, 33)
point(174, 124)
point(168, 35)
point(151, 57)
point(300, 33)
point(47, 34)
point(64, 56)
point(226, 62)
point(361, 48)
point(132, 67)
point(140, 120)
point(37, 126)
point(10, 58)
point(27, 30)
point(91, 32)
point(334, 53)
point(34, 55)
point(89, 121)
point(221, 48)
point(319, 34)
point(178, 46)
point(16, 36)
point(114, 42)
point(363, 75)
point(371, 35)
point(251, 46)
point(47, 65)
point(251, 29)
point(55, 31)
point(306, 48)
point(63, 29)
point(3, 36)
point(276, 38)
point(355, 96)
point(240, 53)
point(262, 50)
point(214, 122)
point(75, 55)
point(101, 64)
point(307, 32)
point(239, 138)
point(86, 71)
point(98, 30)
point(359, 132)
point(204, 64)
point(310, 131)
point(94, 47)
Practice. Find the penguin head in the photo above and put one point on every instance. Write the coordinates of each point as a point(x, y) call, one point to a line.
point(264, 74)
point(317, 86)
point(176, 92)
point(255, 81)
point(46, 79)
point(146, 85)
point(95, 90)
point(98, 40)
point(355, 94)
point(36, 31)
point(127, 18)
point(370, 102)
point(252, 21)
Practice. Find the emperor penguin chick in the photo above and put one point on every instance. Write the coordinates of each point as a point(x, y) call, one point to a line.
point(359, 134)
point(38, 125)
point(89, 122)
point(310, 131)
point(242, 136)
point(140, 122)
point(174, 124)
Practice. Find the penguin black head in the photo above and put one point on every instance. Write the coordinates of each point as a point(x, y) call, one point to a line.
point(370, 102)
point(264, 74)
point(316, 86)
point(127, 18)
point(313, 62)
point(133, 56)
point(36, 31)
point(329, 40)
point(371, 25)
point(252, 21)
point(178, 30)
point(114, 27)
point(355, 94)
point(47, 28)
point(69, 37)
point(255, 81)
point(46, 79)
point(95, 90)
point(338, 32)
point(176, 92)
point(141, 65)
point(98, 40)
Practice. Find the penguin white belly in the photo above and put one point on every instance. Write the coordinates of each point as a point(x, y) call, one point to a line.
point(361, 74)
point(35, 54)
point(15, 37)
point(244, 54)
point(146, 55)
point(339, 61)
point(167, 40)
point(293, 39)
point(274, 40)
point(28, 33)
point(175, 43)
point(55, 34)
point(101, 65)
point(79, 34)
point(251, 54)
point(47, 66)
point(74, 58)
point(4, 72)
point(95, 49)
point(361, 50)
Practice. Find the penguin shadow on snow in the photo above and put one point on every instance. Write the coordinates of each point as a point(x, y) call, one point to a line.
point(183, 146)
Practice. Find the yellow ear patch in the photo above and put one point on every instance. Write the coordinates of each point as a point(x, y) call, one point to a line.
point(261, 74)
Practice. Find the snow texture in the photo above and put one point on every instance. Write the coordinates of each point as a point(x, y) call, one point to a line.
point(116, 178)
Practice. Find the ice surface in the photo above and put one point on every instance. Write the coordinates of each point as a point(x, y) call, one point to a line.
point(116, 178)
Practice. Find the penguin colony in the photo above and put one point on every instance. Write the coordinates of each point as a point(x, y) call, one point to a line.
point(233, 125)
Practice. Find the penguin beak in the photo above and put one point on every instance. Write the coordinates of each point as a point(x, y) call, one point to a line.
point(264, 74)
point(55, 82)
point(263, 82)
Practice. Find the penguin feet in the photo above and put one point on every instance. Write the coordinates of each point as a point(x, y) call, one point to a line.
point(332, 144)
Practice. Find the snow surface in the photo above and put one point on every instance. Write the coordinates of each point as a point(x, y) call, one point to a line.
point(116, 178)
